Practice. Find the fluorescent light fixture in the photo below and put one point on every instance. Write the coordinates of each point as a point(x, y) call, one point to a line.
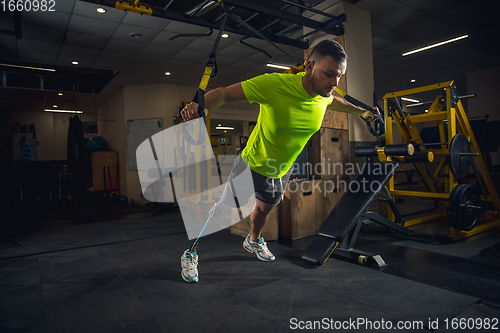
point(277, 66)
point(101, 10)
point(63, 111)
point(225, 35)
point(28, 67)
point(413, 80)
point(167, 73)
point(409, 100)
point(435, 45)
point(224, 128)
point(74, 62)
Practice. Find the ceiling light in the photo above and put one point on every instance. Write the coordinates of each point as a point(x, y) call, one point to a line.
point(224, 128)
point(136, 34)
point(412, 80)
point(167, 73)
point(74, 62)
point(277, 66)
point(28, 67)
point(101, 10)
point(64, 111)
point(426, 110)
point(409, 99)
point(219, 125)
point(60, 94)
point(225, 35)
point(435, 45)
point(54, 106)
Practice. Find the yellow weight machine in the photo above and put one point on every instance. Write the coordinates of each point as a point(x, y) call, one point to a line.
point(469, 211)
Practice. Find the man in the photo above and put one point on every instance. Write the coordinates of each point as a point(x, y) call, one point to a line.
point(292, 107)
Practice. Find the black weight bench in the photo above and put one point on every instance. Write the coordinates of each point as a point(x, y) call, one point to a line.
point(345, 220)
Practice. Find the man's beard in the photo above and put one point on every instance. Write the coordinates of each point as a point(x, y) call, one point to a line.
point(321, 92)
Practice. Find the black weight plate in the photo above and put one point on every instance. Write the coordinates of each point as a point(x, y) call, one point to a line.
point(460, 215)
point(470, 196)
point(452, 207)
point(459, 164)
point(453, 204)
point(462, 220)
point(468, 216)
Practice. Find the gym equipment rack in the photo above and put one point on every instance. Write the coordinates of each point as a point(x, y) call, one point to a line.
point(457, 150)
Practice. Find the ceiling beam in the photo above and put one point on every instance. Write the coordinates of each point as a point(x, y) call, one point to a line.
point(333, 26)
point(176, 16)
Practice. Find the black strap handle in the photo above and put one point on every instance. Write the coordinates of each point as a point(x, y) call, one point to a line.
point(378, 127)
point(201, 111)
point(199, 98)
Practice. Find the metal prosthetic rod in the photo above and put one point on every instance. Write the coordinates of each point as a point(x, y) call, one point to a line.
point(214, 212)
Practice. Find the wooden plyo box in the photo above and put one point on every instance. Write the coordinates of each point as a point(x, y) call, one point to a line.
point(270, 231)
point(333, 191)
point(105, 170)
point(301, 209)
point(335, 119)
point(305, 208)
point(329, 153)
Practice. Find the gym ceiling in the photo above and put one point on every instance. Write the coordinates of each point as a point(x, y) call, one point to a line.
point(119, 48)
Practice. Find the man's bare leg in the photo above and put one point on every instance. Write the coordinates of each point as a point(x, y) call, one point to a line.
point(258, 217)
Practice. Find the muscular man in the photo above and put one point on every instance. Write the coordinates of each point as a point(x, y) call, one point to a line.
point(292, 107)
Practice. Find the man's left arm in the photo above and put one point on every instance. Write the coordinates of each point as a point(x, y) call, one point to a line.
point(342, 105)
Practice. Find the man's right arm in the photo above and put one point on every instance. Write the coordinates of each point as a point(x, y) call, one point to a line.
point(214, 99)
point(218, 97)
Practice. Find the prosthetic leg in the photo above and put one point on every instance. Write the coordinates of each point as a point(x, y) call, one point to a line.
point(215, 210)
point(213, 213)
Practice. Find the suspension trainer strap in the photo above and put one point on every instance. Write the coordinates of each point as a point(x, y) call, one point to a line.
point(378, 127)
point(210, 71)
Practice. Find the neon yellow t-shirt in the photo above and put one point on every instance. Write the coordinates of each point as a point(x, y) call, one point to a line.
point(288, 117)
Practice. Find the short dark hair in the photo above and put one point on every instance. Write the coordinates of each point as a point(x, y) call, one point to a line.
point(328, 47)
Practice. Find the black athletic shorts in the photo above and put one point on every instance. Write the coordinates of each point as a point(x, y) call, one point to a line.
point(267, 190)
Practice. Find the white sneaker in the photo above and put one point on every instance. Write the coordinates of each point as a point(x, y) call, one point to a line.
point(259, 248)
point(189, 264)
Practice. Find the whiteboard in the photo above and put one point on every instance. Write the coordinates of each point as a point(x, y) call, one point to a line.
point(139, 130)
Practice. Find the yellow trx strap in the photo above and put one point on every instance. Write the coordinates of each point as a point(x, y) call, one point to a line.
point(340, 92)
point(205, 78)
